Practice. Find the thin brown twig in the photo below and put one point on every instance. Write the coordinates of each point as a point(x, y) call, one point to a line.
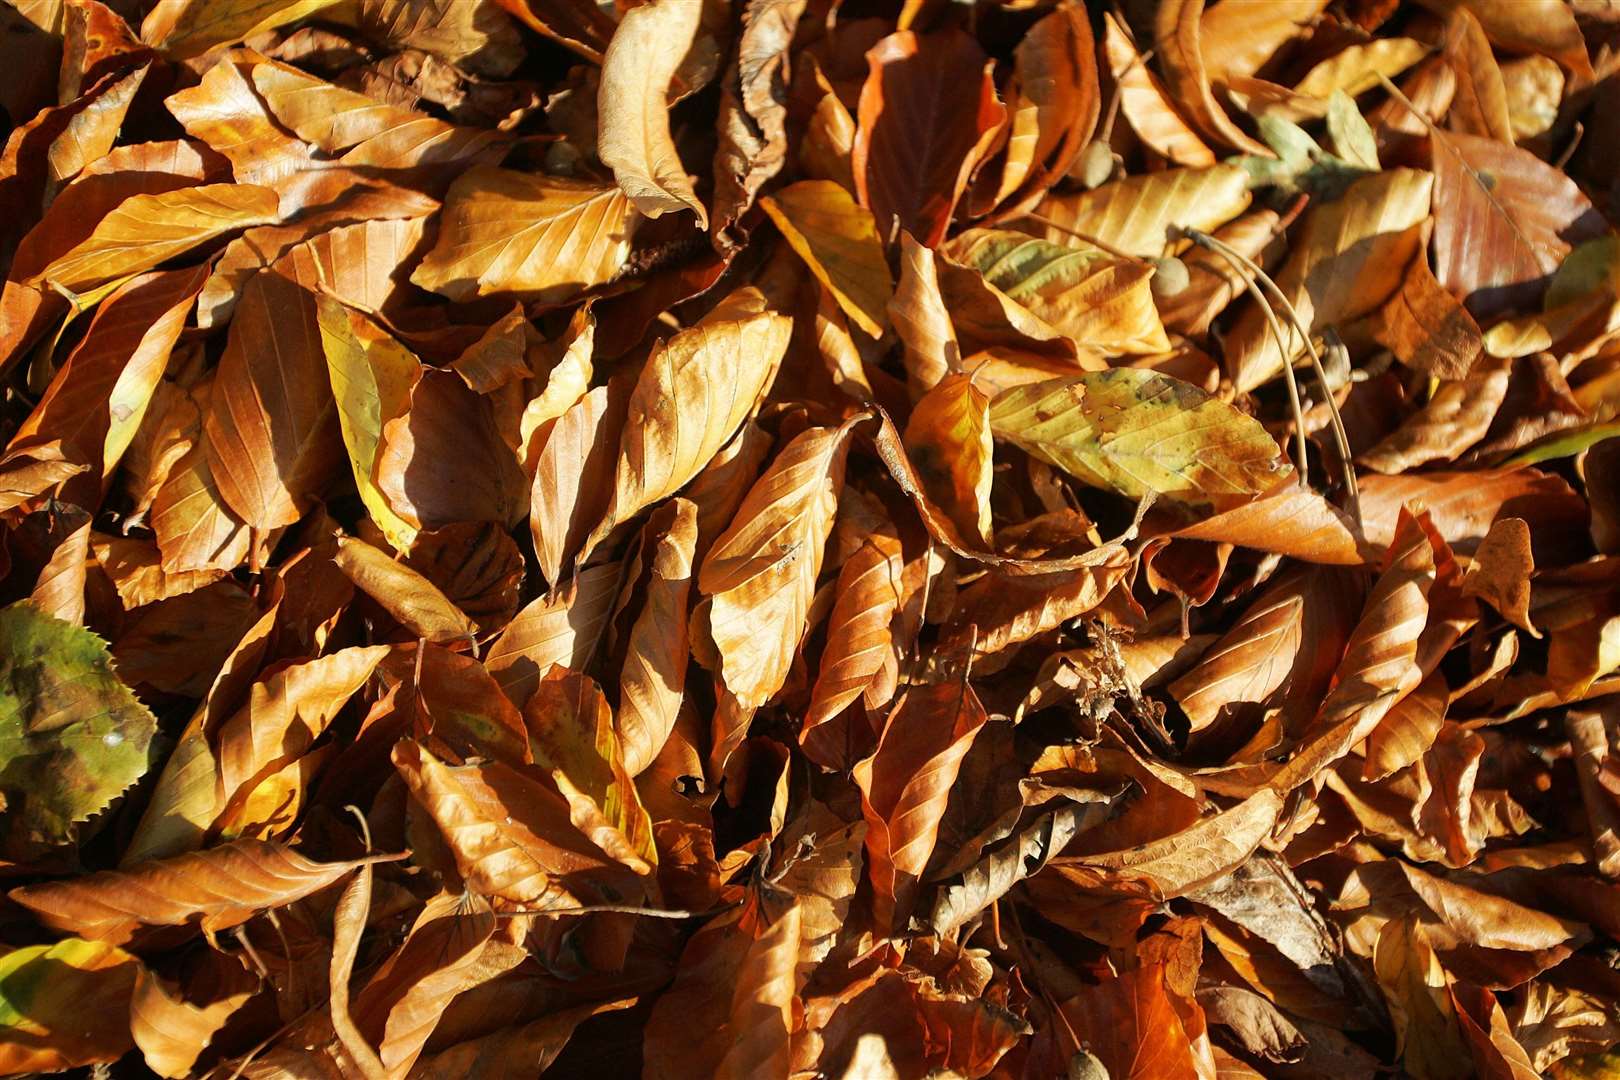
point(1101, 245)
point(1341, 437)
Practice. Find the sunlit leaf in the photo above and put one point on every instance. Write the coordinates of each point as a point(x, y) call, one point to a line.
point(1138, 432)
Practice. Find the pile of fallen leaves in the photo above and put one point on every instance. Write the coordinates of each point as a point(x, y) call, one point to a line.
point(789, 538)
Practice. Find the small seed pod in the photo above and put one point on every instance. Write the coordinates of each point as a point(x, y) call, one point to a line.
point(1169, 277)
point(1097, 164)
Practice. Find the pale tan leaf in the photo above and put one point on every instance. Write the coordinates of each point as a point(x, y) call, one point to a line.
point(634, 139)
point(921, 320)
point(653, 679)
point(693, 395)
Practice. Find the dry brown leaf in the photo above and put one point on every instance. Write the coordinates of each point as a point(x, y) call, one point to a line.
point(949, 441)
point(761, 573)
point(271, 428)
point(218, 888)
point(1144, 104)
point(924, 126)
point(654, 677)
point(634, 140)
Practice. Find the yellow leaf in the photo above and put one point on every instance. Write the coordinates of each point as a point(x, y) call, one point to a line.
point(371, 375)
point(146, 230)
point(838, 240)
point(538, 237)
point(1137, 214)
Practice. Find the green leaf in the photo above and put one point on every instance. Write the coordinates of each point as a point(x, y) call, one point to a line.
point(1136, 431)
point(72, 736)
point(1352, 137)
point(64, 1005)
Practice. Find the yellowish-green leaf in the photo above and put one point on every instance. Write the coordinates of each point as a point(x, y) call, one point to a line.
point(1138, 432)
point(1102, 302)
point(372, 375)
point(64, 1005)
point(72, 736)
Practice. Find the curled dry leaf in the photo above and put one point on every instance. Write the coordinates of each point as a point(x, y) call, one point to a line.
point(905, 785)
point(634, 140)
point(405, 594)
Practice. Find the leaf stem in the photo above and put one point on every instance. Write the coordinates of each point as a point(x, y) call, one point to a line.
point(1341, 437)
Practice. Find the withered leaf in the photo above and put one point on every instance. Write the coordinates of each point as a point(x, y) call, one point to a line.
point(219, 888)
